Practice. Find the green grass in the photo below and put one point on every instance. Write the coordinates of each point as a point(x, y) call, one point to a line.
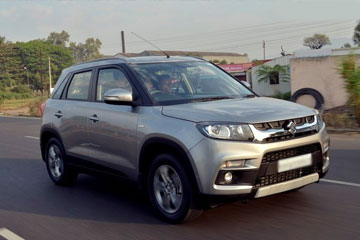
point(29, 106)
point(15, 103)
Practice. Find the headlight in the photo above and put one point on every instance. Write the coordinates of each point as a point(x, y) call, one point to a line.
point(239, 132)
point(319, 120)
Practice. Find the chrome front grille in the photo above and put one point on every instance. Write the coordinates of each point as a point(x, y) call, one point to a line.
point(280, 124)
point(289, 136)
point(276, 131)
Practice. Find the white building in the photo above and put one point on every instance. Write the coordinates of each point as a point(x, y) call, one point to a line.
point(269, 88)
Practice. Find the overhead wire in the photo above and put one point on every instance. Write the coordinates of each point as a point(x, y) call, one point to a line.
point(247, 38)
point(297, 36)
point(241, 32)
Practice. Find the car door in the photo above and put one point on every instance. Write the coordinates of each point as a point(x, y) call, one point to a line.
point(72, 112)
point(112, 128)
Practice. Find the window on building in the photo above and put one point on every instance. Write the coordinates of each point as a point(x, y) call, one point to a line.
point(274, 78)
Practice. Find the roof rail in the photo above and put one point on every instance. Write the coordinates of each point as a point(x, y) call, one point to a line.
point(101, 59)
point(200, 58)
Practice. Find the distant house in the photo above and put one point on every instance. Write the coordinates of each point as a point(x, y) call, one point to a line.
point(234, 58)
point(270, 88)
point(239, 71)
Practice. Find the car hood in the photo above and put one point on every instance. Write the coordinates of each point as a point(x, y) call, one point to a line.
point(250, 110)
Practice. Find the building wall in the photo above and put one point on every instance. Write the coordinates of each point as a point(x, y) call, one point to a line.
point(229, 59)
point(265, 88)
point(320, 73)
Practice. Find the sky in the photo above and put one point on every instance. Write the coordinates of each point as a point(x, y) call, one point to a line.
point(238, 26)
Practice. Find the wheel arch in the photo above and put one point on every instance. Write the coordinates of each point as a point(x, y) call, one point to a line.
point(45, 135)
point(157, 145)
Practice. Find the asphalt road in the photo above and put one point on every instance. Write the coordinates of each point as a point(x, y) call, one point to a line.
point(32, 207)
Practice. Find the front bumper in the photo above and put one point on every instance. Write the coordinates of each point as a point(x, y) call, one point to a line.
point(257, 178)
point(286, 186)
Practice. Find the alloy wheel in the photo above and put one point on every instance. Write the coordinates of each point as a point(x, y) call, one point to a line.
point(168, 188)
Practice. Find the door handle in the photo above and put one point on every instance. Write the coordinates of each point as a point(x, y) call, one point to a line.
point(94, 118)
point(58, 114)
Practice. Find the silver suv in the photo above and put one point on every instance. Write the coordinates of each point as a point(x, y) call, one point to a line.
point(183, 129)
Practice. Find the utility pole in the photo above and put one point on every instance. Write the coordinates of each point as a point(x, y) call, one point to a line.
point(264, 48)
point(49, 76)
point(27, 76)
point(123, 41)
point(41, 76)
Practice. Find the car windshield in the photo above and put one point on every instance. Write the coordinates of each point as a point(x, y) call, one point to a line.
point(184, 82)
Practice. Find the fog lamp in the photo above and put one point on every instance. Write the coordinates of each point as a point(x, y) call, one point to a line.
point(228, 177)
point(233, 164)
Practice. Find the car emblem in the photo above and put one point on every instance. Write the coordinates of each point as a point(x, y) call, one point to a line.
point(291, 127)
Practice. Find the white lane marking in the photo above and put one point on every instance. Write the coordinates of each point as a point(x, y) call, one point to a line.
point(340, 182)
point(32, 137)
point(7, 116)
point(7, 234)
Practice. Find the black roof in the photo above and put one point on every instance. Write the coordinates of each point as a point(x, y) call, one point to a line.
point(126, 60)
point(152, 59)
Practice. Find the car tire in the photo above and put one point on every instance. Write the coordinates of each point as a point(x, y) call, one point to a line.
point(59, 171)
point(170, 190)
point(318, 97)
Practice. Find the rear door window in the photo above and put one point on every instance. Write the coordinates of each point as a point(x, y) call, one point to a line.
point(60, 89)
point(79, 86)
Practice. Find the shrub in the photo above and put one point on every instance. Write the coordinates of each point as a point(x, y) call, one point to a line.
point(12, 95)
point(284, 96)
point(35, 107)
point(351, 73)
point(21, 89)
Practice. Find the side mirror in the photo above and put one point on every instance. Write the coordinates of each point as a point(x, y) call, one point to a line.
point(246, 84)
point(118, 96)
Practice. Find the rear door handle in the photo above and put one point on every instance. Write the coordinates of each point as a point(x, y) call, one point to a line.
point(58, 114)
point(94, 118)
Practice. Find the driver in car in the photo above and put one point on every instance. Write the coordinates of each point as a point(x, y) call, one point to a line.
point(167, 83)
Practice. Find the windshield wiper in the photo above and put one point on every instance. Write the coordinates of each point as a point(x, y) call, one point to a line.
point(210, 99)
point(249, 96)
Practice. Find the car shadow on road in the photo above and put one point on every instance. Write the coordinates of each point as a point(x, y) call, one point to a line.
point(108, 199)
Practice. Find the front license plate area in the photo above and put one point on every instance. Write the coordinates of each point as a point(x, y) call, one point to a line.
point(295, 162)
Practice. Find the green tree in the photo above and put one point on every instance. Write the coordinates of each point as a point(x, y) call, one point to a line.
point(317, 41)
point(274, 75)
point(10, 65)
point(93, 48)
point(346, 45)
point(2, 40)
point(34, 56)
point(215, 61)
point(61, 38)
point(351, 74)
point(77, 51)
point(256, 62)
point(223, 61)
point(356, 37)
point(86, 51)
point(266, 73)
